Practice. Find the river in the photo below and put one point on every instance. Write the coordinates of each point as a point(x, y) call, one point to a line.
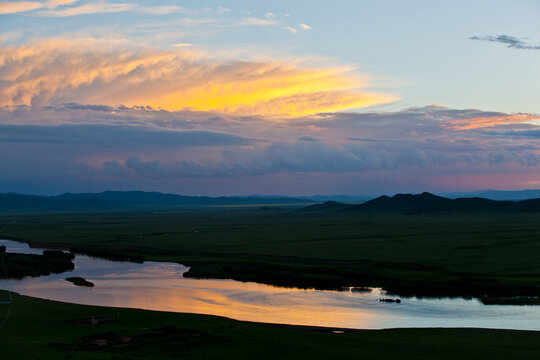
point(161, 286)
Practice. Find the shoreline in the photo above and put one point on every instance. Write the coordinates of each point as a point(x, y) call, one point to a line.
point(314, 328)
point(95, 332)
point(482, 289)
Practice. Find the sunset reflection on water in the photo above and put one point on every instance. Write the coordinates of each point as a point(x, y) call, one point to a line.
point(161, 286)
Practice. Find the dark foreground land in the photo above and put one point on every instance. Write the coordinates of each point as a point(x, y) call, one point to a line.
point(42, 329)
point(489, 255)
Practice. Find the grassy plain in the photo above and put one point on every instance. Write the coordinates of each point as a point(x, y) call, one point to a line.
point(42, 329)
point(472, 254)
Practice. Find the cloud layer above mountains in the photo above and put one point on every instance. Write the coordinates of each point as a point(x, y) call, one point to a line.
point(103, 147)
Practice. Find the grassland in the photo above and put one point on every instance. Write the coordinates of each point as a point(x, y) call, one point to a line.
point(472, 254)
point(42, 329)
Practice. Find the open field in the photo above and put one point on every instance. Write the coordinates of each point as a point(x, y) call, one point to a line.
point(473, 254)
point(42, 329)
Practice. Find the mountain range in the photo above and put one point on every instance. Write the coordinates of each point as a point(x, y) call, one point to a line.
point(428, 203)
point(140, 200)
point(125, 200)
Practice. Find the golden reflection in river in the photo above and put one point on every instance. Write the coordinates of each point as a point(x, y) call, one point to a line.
point(242, 301)
point(161, 286)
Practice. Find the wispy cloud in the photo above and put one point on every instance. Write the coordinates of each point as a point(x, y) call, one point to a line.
point(55, 3)
point(291, 29)
point(305, 27)
point(116, 135)
point(19, 6)
point(159, 10)
point(90, 71)
point(250, 21)
point(222, 10)
point(182, 45)
point(511, 41)
point(98, 7)
point(490, 120)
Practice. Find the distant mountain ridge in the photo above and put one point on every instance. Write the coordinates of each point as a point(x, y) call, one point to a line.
point(429, 203)
point(124, 200)
point(496, 194)
point(141, 200)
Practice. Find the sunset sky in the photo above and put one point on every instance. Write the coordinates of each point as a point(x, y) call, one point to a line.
point(282, 97)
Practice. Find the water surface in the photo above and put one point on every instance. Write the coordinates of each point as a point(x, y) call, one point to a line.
point(161, 286)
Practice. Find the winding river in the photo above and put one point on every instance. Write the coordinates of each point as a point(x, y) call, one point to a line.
point(161, 286)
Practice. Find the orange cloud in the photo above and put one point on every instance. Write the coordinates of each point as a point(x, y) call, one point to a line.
point(490, 121)
point(96, 72)
point(19, 6)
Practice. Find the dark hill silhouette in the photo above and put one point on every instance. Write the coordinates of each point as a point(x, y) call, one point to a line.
point(512, 195)
point(140, 200)
point(429, 203)
point(327, 206)
point(31, 203)
point(530, 205)
point(403, 202)
point(123, 200)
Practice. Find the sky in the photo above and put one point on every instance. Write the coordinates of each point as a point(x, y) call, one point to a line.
point(283, 97)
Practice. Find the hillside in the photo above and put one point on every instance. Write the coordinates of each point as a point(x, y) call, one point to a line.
point(123, 200)
point(429, 203)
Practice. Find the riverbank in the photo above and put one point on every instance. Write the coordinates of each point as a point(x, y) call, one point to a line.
point(116, 333)
point(488, 256)
point(18, 266)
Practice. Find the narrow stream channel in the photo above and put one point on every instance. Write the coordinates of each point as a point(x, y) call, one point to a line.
point(161, 286)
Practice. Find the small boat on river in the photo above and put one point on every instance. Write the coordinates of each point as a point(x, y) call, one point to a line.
point(389, 300)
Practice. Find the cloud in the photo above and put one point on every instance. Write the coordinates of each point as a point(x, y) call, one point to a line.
point(18, 6)
point(511, 41)
point(269, 15)
point(533, 134)
point(182, 45)
point(433, 117)
point(308, 138)
point(491, 120)
point(148, 147)
point(55, 3)
point(250, 21)
point(158, 10)
point(305, 27)
point(101, 7)
point(116, 136)
point(306, 156)
point(222, 10)
point(98, 7)
point(291, 29)
point(110, 73)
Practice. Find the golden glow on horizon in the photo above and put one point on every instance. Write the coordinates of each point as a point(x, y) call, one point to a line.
point(85, 72)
